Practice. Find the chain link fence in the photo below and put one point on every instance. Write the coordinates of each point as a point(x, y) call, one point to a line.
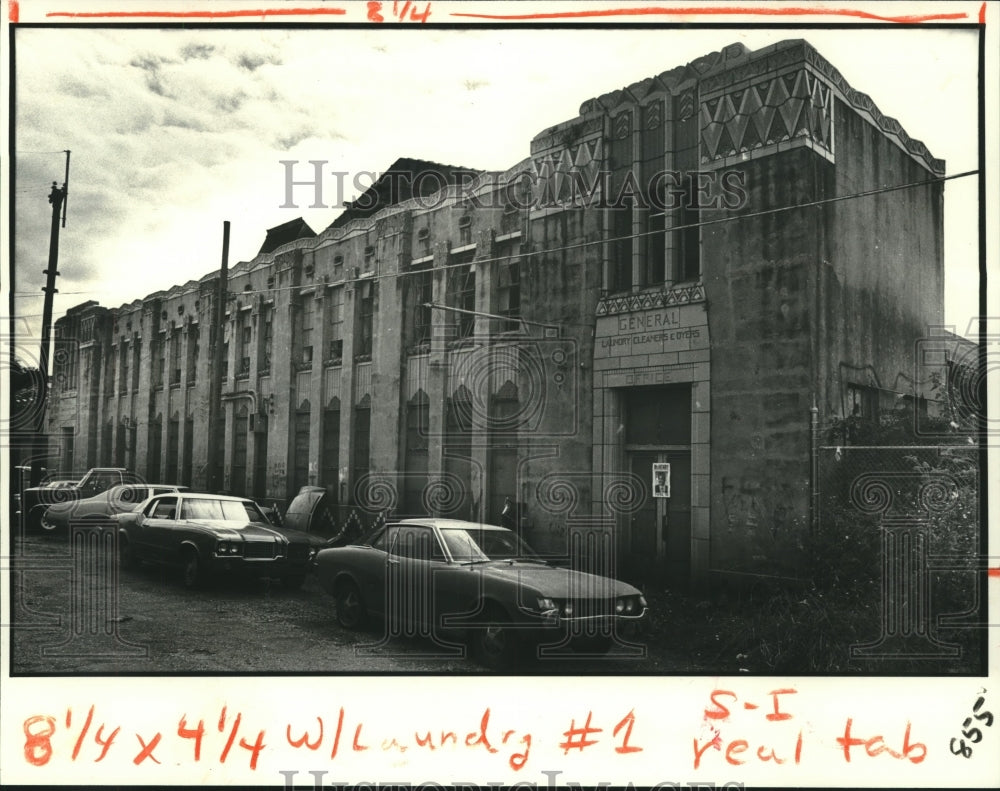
point(899, 526)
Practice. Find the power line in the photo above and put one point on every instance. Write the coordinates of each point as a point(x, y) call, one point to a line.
point(581, 245)
point(700, 224)
point(28, 294)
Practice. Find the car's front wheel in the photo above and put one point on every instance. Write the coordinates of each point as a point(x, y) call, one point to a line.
point(351, 612)
point(47, 524)
point(494, 642)
point(194, 576)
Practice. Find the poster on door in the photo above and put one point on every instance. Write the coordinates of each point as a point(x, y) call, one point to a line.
point(661, 479)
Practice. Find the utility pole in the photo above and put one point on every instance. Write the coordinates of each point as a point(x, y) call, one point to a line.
point(215, 413)
point(57, 197)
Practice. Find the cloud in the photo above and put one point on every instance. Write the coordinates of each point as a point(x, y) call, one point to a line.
point(251, 61)
point(81, 89)
point(183, 120)
point(230, 102)
point(291, 140)
point(153, 73)
point(195, 51)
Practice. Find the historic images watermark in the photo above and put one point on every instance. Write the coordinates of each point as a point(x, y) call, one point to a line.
point(663, 190)
point(552, 780)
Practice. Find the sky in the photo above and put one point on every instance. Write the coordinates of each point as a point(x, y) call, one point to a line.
point(174, 131)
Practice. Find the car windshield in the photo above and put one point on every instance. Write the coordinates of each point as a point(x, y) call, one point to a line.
point(222, 511)
point(469, 545)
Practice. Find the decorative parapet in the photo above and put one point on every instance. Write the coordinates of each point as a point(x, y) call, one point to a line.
point(650, 300)
point(793, 106)
point(803, 103)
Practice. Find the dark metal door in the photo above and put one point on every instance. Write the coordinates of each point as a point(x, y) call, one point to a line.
point(659, 541)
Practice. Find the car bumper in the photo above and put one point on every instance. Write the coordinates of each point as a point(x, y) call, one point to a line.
point(548, 628)
point(623, 625)
point(259, 567)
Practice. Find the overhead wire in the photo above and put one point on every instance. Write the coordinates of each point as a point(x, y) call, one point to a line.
point(376, 277)
point(591, 243)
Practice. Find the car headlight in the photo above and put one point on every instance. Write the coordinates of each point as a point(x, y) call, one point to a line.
point(629, 605)
point(567, 609)
point(546, 604)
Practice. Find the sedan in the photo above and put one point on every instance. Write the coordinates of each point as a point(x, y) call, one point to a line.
point(480, 582)
point(207, 535)
point(116, 500)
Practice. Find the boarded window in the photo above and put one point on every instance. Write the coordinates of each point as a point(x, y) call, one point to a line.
point(458, 457)
point(193, 349)
point(509, 292)
point(303, 418)
point(462, 294)
point(155, 449)
point(362, 443)
point(175, 357)
point(415, 477)
point(331, 451)
point(367, 292)
point(173, 443)
point(335, 311)
point(306, 313)
point(267, 317)
point(238, 477)
point(422, 295)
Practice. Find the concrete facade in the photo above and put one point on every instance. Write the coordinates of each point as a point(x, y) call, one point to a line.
point(658, 286)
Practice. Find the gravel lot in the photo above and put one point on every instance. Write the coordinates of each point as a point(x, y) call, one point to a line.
point(78, 614)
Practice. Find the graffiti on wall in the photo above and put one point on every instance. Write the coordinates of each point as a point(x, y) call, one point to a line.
point(760, 508)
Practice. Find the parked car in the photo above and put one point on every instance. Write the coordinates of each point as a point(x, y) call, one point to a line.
point(314, 511)
point(37, 499)
point(206, 535)
point(479, 581)
point(118, 499)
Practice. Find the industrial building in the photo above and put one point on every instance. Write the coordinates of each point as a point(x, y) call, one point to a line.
point(631, 335)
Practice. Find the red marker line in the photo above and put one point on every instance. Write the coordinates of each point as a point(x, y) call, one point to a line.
point(262, 12)
point(721, 11)
point(993, 572)
point(14, 12)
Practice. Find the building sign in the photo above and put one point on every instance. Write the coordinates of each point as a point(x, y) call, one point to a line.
point(649, 321)
point(676, 329)
point(661, 479)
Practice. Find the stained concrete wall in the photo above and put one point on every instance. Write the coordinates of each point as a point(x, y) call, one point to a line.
point(759, 277)
point(802, 303)
point(883, 265)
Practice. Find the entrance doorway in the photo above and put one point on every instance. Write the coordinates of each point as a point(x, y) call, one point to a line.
point(660, 529)
point(657, 450)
